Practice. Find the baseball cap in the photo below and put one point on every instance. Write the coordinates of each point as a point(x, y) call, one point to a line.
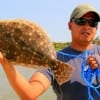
point(82, 9)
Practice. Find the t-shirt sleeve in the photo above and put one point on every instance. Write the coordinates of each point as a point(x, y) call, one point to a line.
point(48, 73)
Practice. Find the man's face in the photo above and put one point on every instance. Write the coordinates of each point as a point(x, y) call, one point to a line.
point(86, 32)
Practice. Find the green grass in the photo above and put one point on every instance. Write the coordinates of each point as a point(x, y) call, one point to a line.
point(59, 46)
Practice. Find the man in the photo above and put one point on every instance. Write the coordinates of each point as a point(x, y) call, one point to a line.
point(83, 25)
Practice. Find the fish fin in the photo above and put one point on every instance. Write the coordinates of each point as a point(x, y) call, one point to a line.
point(62, 72)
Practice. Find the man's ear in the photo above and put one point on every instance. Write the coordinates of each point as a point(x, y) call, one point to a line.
point(69, 25)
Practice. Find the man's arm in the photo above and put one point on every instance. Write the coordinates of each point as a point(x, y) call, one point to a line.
point(27, 90)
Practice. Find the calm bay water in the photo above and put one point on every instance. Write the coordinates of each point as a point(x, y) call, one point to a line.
point(7, 93)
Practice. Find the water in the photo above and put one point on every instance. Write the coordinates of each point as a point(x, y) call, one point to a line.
point(7, 92)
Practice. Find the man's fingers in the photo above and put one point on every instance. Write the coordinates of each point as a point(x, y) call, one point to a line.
point(1, 56)
point(92, 62)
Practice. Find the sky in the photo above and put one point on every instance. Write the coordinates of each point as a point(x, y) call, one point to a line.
point(51, 15)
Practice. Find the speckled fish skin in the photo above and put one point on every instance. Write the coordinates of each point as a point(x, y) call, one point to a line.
point(25, 43)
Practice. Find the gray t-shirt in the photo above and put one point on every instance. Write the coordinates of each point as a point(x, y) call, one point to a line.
point(75, 89)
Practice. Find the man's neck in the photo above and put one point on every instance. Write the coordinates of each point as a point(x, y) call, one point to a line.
point(81, 47)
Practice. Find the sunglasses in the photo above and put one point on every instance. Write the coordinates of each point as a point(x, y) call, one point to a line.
point(83, 21)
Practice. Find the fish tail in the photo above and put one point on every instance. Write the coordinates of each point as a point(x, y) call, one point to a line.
point(62, 72)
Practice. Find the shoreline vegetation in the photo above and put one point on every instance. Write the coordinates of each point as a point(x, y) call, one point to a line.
point(61, 45)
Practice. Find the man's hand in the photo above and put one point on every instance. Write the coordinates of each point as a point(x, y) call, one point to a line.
point(92, 61)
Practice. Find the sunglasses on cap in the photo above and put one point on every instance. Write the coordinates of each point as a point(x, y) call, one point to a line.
point(83, 21)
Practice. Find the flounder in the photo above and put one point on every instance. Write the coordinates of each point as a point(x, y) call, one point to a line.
point(25, 43)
